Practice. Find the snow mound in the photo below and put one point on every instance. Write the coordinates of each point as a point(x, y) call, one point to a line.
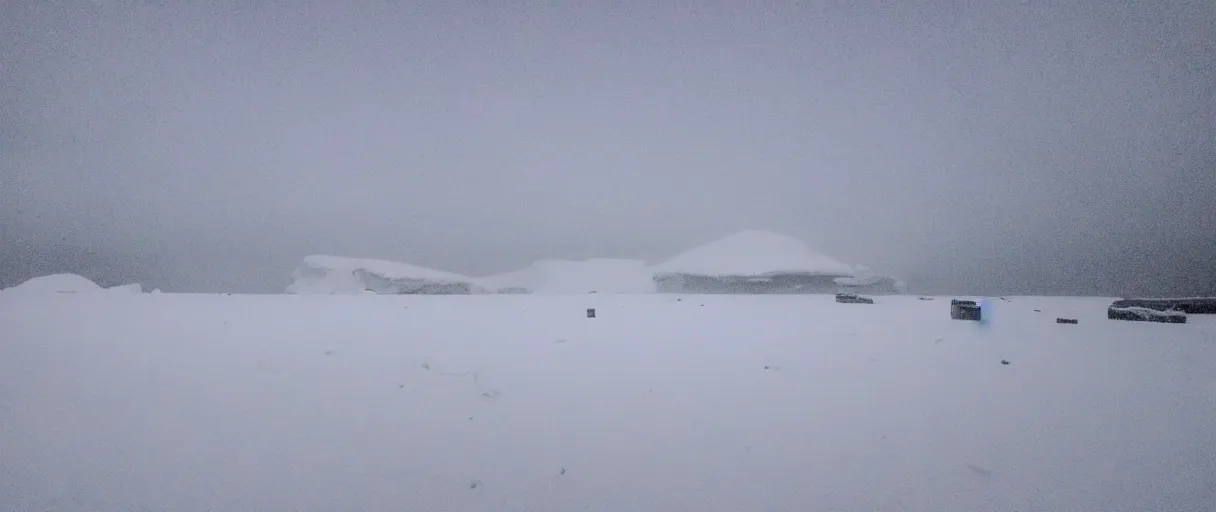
point(563, 276)
point(321, 274)
point(754, 253)
point(56, 283)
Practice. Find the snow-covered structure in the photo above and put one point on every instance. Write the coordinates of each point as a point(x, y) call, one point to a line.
point(320, 274)
point(759, 262)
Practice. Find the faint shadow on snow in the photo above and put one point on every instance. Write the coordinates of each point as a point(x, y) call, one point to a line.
point(979, 471)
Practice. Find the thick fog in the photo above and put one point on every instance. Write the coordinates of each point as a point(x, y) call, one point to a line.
point(969, 147)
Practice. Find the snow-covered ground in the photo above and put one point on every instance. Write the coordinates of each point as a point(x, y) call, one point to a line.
point(521, 403)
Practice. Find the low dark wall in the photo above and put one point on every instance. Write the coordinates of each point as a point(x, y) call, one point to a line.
point(1189, 305)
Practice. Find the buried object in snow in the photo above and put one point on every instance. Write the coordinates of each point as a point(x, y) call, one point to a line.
point(964, 310)
point(852, 298)
point(1142, 314)
point(1066, 320)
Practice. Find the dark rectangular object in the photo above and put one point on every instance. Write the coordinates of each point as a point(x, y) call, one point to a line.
point(1141, 314)
point(852, 298)
point(964, 310)
point(1066, 320)
point(1188, 305)
point(590, 312)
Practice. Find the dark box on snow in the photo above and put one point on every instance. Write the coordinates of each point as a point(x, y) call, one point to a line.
point(852, 298)
point(964, 310)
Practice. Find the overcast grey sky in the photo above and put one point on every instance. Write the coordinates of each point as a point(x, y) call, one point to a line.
point(982, 147)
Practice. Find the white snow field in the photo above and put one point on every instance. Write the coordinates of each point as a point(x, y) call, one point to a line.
point(133, 402)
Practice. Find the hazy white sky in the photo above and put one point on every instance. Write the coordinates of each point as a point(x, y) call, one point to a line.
point(1003, 147)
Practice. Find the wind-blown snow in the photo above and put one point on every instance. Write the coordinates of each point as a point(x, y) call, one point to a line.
point(753, 253)
point(521, 403)
point(56, 283)
point(560, 277)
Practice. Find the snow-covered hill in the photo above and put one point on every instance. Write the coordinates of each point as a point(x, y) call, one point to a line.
point(67, 283)
point(56, 283)
point(760, 262)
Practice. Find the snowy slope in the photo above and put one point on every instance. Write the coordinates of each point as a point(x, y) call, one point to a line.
point(521, 403)
point(753, 253)
point(561, 276)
